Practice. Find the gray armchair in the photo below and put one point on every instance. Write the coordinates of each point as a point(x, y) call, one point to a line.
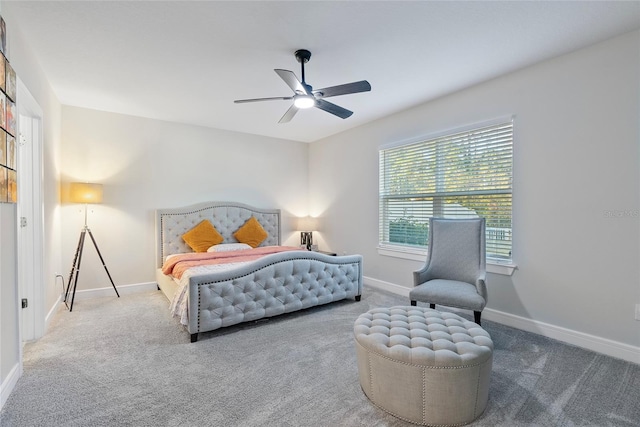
point(454, 273)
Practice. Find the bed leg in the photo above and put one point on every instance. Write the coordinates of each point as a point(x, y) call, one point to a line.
point(358, 297)
point(194, 337)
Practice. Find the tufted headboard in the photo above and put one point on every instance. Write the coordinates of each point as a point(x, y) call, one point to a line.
point(226, 217)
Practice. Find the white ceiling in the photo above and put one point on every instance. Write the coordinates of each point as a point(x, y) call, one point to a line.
point(187, 61)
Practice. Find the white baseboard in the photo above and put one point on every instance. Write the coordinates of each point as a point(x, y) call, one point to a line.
point(7, 386)
point(387, 286)
point(122, 290)
point(590, 342)
point(51, 312)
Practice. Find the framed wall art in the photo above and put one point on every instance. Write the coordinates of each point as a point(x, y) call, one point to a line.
point(3, 112)
point(11, 152)
point(3, 184)
point(2, 73)
point(8, 123)
point(3, 148)
point(10, 81)
point(3, 36)
point(10, 109)
point(12, 186)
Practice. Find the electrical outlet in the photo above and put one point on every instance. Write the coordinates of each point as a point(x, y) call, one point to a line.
point(637, 311)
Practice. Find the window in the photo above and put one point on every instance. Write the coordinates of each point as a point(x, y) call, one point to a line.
point(464, 174)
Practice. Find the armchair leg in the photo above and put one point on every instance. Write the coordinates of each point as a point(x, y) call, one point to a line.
point(432, 306)
point(476, 316)
point(413, 302)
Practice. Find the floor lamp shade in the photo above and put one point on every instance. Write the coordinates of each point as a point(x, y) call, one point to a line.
point(84, 192)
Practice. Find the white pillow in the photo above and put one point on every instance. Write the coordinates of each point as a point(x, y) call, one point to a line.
point(168, 257)
point(228, 247)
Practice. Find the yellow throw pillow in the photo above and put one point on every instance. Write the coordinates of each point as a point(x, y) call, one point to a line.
point(251, 233)
point(202, 236)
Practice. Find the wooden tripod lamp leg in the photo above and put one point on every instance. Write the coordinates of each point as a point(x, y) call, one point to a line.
point(75, 271)
point(102, 261)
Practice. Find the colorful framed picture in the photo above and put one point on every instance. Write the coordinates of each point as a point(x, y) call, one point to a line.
point(3, 112)
point(10, 81)
point(12, 186)
point(3, 148)
point(3, 60)
point(10, 109)
point(3, 184)
point(3, 36)
point(12, 160)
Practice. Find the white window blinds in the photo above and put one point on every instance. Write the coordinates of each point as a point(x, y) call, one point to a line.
point(466, 174)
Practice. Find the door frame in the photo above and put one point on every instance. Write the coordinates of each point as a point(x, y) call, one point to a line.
point(31, 284)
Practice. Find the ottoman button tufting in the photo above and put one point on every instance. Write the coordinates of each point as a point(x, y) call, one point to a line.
point(424, 366)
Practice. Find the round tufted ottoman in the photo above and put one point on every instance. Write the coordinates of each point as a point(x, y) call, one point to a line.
point(422, 365)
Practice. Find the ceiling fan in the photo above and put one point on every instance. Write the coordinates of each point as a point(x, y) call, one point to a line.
point(304, 96)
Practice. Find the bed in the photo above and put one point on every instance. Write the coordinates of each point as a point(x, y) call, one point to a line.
point(224, 295)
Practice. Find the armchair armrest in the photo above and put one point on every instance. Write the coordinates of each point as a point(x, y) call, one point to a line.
point(421, 276)
point(481, 286)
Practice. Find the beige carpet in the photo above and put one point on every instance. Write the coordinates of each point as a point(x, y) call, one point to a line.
point(126, 362)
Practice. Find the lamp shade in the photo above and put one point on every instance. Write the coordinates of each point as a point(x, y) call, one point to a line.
point(307, 223)
point(84, 192)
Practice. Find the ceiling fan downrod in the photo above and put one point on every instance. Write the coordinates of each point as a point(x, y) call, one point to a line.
point(303, 56)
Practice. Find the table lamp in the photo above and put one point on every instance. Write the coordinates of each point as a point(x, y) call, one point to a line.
point(306, 225)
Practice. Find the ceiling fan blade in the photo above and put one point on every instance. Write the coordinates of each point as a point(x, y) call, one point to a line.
point(292, 81)
point(241, 101)
point(334, 109)
point(355, 87)
point(289, 114)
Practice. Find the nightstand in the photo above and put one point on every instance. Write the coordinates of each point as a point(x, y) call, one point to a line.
point(327, 253)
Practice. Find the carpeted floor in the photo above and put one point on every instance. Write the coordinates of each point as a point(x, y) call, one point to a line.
point(126, 362)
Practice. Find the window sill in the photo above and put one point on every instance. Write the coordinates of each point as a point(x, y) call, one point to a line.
point(493, 266)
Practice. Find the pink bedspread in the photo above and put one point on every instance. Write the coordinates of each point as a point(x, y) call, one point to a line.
point(177, 265)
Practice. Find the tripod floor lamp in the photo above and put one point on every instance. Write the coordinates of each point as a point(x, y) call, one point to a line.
point(81, 192)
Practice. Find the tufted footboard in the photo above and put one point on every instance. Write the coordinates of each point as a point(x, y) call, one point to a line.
point(276, 284)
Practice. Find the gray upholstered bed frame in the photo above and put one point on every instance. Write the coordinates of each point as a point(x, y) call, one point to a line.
point(275, 284)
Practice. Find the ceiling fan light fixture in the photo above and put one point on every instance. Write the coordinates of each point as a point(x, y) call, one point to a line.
point(305, 97)
point(304, 101)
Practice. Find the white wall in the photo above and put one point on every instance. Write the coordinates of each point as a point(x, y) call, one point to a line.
point(9, 338)
point(28, 69)
point(576, 159)
point(148, 164)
